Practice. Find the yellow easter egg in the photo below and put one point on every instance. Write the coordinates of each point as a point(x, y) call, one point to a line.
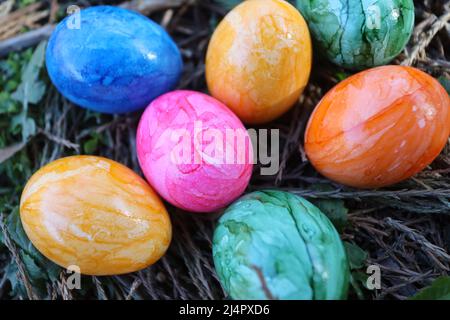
point(259, 59)
point(96, 214)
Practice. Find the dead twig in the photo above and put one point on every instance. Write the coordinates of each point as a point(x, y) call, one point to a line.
point(264, 286)
point(426, 38)
point(18, 260)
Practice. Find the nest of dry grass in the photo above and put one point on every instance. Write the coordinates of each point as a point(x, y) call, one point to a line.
point(404, 229)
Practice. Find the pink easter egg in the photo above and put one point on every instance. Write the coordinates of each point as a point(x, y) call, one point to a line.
point(194, 151)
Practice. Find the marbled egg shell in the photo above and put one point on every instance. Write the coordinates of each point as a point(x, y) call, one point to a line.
point(379, 127)
point(259, 59)
point(116, 61)
point(358, 34)
point(276, 245)
point(96, 214)
point(187, 151)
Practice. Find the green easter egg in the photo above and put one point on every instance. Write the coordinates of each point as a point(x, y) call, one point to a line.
point(358, 34)
point(276, 245)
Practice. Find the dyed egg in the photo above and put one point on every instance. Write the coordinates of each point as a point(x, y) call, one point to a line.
point(276, 245)
point(96, 214)
point(112, 60)
point(194, 151)
point(259, 59)
point(379, 127)
point(358, 34)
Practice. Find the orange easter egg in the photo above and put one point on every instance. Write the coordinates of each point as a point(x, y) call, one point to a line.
point(96, 214)
point(379, 127)
point(259, 59)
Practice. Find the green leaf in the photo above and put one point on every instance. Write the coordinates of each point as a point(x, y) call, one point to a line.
point(24, 3)
point(445, 83)
point(28, 125)
point(356, 256)
point(33, 270)
point(7, 105)
point(438, 290)
point(39, 269)
point(15, 229)
point(34, 92)
point(341, 75)
point(53, 270)
point(31, 89)
point(358, 282)
point(17, 287)
point(18, 235)
point(91, 145)
point(334, 209)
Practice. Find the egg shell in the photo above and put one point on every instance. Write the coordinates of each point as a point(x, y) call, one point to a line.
point(275, 245)
point(379, 127)
point(96, 214)
point(359, 34)
point(116, 61)
point(204, 180)
point(259, 59)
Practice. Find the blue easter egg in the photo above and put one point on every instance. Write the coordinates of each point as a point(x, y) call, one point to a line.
point(112, 60)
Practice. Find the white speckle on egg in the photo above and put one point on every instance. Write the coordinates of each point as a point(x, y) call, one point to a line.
point(429, 111)
point(151, 56)
point(394, 166)
point(98, 231)
point(103, 165)
point(395, 14)
point(80, 233)
point(52, 222)
point(421, 123)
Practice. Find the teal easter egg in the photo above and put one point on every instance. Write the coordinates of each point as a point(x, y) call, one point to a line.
point(276, 245)
point(359, 34)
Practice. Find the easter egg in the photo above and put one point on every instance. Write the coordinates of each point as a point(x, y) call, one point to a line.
point(379, 127)
point(259, 59)
point(358, 34)
point(194, 151)
point(96, 214)
point(112, 60)
point(276, 245)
